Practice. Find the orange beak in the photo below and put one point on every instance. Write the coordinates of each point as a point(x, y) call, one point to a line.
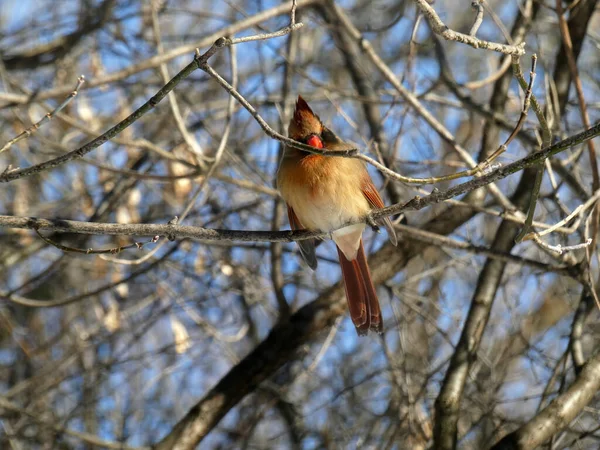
point(315, 141)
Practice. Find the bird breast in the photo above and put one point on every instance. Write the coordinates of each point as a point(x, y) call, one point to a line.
point(324, 192)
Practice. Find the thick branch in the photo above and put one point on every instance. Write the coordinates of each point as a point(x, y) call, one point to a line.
point(559, 413)
point(447, 405)
point(450, 398)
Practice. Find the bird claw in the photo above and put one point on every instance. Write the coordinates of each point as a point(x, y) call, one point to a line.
point(371, 222)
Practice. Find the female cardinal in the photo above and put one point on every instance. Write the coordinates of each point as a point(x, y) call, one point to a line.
point(324, 193)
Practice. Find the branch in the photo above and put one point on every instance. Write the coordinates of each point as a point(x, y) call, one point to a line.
point(179, 231)
point(82, 436)
point(439, 27)
point(559, 413)
point(448, 402)
point(478, 18)
point(200, 61)
point(36, 126)
point(155, 61)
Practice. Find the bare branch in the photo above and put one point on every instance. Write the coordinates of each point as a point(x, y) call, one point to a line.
point(83, 437)
point(156, 60)
point(199, 62)
point(559, 413)
point(47, 118)
point(438, 27)
point(478, 18)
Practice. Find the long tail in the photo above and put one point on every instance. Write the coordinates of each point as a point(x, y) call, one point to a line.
point(360, 293)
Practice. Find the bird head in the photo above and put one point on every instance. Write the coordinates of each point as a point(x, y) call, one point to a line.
point(305, 126)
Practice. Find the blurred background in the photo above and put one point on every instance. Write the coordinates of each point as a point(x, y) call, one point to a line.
point(109, 349)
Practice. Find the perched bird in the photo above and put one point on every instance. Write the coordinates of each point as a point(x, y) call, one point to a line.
point(323, 193)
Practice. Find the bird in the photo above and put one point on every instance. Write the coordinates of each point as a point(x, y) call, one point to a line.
point(324, 193)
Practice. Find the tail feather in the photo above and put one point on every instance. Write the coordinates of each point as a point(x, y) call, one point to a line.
point(373, 301)
point(360, 293)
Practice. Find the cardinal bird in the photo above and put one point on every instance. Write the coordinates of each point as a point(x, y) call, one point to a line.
point(323, 193)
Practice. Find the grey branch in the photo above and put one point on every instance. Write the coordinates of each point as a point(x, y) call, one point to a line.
point(439, 27)
point(478, 18)
point(559, 413)
point(47, 117)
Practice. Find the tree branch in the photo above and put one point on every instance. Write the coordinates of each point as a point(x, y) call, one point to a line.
point(439, 27)
point(179, 231)
point(200, 62)
point(559, 413)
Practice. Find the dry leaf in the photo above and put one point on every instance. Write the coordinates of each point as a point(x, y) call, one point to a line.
point(180, 336)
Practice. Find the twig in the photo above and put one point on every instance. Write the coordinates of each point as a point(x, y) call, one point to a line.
point(577, 211)
point(497, 21)
point(546, 139)
point(539, 173)
point(562, 249)
point(264, 36)
point(91, 251)
point(471, 85)
point(439, 27)
point(293, 13)
point(522, 116)
point(535, 105)
point(412, 50)
point(557, 225)
point(535, 194)
point(36, 126)
point(478, 19)
point(188, 137)
point(584, 308)
point(564, 29)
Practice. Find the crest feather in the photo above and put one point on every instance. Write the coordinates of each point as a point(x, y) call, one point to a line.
point(301, 105)
point(304, 122)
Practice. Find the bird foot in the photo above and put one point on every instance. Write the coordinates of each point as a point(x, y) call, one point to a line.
point(371, 222)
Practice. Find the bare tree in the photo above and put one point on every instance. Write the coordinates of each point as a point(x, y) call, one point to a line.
point(152, 296)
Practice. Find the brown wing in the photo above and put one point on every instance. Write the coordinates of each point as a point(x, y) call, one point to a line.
point(374, 199)
point(307, 246)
